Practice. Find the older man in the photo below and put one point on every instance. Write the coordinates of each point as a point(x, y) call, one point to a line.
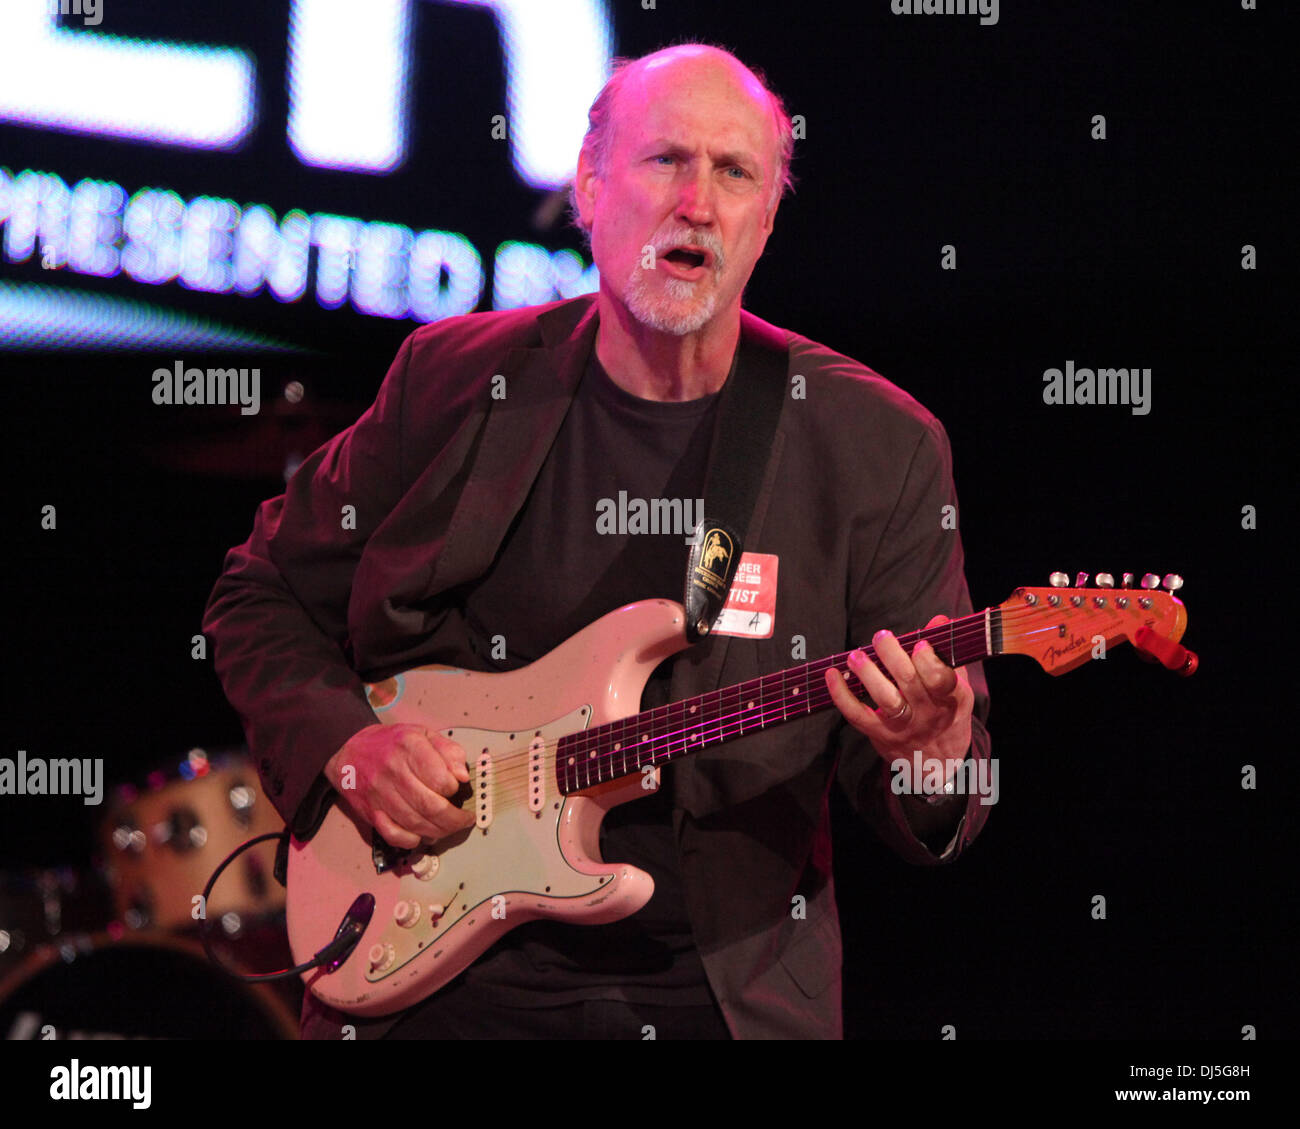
point(473, 524)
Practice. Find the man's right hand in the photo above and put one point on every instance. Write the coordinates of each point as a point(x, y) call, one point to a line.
point(402, 776)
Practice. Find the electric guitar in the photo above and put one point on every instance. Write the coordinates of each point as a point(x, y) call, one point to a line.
point(553, 746)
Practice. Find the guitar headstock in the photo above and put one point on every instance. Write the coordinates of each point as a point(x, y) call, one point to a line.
point(1062, 627)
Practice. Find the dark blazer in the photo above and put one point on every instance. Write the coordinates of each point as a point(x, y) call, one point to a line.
point(351, 575)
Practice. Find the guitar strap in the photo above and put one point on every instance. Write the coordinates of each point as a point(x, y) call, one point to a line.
point(748, 412)
point(747, 416)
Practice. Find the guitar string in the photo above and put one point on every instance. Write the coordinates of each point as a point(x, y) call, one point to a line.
point(511, 782)
point(711, 729)
point(709, 723)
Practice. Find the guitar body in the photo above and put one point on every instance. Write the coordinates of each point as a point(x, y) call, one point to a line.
point(533, 852)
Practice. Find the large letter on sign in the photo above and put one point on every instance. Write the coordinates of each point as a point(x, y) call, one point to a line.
point(87, 82)
point(349, 79)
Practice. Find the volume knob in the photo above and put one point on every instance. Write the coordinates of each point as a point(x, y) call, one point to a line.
point(425, 867)
point(381, 957)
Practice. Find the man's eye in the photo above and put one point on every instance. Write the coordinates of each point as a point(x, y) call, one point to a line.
point(665, 157)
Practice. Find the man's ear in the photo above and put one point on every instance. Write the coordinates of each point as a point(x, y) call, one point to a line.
point(769, 219)
point(586, 187)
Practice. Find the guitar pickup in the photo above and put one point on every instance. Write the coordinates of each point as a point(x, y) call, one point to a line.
point(483, 791)
point(536, 773)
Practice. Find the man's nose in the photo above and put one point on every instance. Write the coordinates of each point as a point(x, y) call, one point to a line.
point(695, 200)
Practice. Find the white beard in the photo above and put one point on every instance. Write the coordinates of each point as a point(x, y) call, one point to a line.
point(678, 310)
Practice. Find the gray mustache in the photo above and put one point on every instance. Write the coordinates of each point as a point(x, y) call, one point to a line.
point(710, 243)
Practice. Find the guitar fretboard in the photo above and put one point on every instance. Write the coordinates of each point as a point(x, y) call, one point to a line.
point(658, 736)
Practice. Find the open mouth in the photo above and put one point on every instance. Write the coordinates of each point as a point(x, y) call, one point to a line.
point(685, 258)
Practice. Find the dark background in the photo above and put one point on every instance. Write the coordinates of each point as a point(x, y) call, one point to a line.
point(1119, 779)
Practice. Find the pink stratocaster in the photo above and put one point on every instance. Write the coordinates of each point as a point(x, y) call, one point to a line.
point(554, 746)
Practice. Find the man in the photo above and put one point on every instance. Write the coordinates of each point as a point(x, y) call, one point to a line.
point(468, 523)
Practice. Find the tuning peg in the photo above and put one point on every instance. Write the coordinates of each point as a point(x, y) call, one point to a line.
point(1151, 580)
point(1105, 580)
point(1059, 580)
point(1128, 580)
point(1173, 581)
point(1081, 580)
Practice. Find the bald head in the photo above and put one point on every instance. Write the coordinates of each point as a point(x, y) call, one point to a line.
point(635, 83)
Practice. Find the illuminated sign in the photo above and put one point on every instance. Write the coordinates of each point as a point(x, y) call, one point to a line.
point(92, 83)
point(347, 78)
point(348, 74)
point(348, 81)
point(382, 269)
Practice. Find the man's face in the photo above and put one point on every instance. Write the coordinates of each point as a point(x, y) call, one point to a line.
point(690, 174)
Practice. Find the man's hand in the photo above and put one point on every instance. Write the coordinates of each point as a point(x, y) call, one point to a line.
point(927, 706)
point(402, 776)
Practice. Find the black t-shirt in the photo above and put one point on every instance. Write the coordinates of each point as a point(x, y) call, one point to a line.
point(558, 570)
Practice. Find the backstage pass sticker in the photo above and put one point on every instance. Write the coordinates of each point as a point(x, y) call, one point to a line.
point(750, 610)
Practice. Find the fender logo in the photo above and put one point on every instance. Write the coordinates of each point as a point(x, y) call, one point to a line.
point(1054, 654)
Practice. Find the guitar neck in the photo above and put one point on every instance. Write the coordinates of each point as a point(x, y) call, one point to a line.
point(658, 736)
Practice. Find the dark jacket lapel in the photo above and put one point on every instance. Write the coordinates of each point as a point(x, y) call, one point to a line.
point(523, 421)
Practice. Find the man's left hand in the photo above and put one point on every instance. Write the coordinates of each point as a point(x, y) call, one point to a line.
point(927, 706)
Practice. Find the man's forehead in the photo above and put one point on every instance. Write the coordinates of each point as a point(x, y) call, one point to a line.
point(674, 95)
point(699, 60)
point(699, 68)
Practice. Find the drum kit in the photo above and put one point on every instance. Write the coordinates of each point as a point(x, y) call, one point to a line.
point(114, 952)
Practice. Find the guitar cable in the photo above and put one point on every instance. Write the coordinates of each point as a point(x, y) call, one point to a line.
point(334, 954)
